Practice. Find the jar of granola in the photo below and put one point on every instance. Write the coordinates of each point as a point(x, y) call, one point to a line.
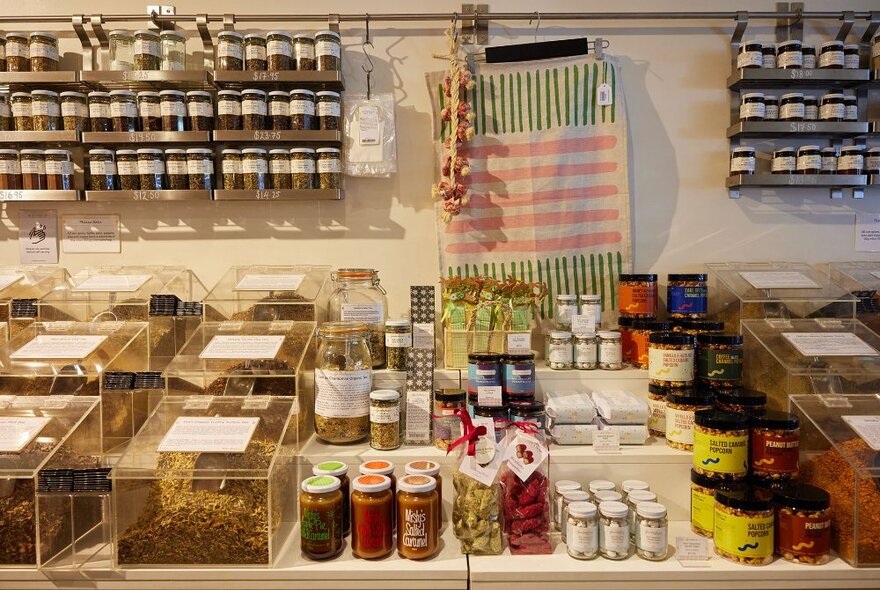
point(127, 168)
point(302, 109)
point(74, 111)
point(687, 296)
point(637, 295)
point(657, 410)
point(279, 168)
point(681, 405)
point(230, 51)
point(302, 168)
point(255, 52)
point(172, 106)
point(279, 110)
point(200, 110)
point(43, 49)
point(721, 444)
point(230, 165)
point(703, 490)
point(744, 525)
point(803, 524)
point(18, 53)
point(99, 112)
point(45, 110)
point(775, 445)
point(741, 401)
point(123, 111)
point(176, 167)
point(640, 339)
point(102, 170)
point(720, 360)
point(21, 111)
point(671, 359)
point(229, 110)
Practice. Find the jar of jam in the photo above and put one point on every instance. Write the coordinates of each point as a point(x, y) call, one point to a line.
point(687, 296)
point(811, 108)
point(784, 161)
point(789, 55)
point(771, 107)
point(829, 160)
point(102, 170)
point(59, 170)
point(279, 51)
point(637, 295)
point(809, 159)
point(720, 360)
point(279, 110)
point(302, 110)
point(833, 109)
point(33, 170)
point(123, 111)
point(752, 107)
point(229, 110)
point(499, 416)
point(445, 422)
point(320, 517)
point(149, 111)
point(338, 470)
point(302, 168)
point(851, 56)
point(230, 166)
point(431, 469)
point(484, 370)
point(809, 56)
point(176, 168)
point(10, 170)
point(803, 524)
point(127, 169)
point(279, 168)
point(304, 52)
point(417, 507)
point(851, 160)
point(741, 401)
point(742, 161)
point(750, 55)
point(681, 406)
point(172, 107)
point(372, 506)
point(610, 351)
point(528, 411)
point(721, 444)
point(517, 376)
point(768, 57)
point(200, 110)
point(831, 55)
point(671, 359)
point(561, 354)
point(328, 51)
point(255, 52)
point(775, 445)
point(851, 108)
point(230, 51)
point(640, 340)
point(99, 112)
point(328, 105)
point(791, 107)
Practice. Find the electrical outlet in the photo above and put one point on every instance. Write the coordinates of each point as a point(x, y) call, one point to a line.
point(151, 8)
point(168, 11)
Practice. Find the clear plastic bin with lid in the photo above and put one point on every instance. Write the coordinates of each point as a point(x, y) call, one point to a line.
point(862, 280)
point(21, 287)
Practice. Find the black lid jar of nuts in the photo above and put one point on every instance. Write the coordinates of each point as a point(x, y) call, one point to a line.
point(172, 106)
point(200, 167)
point(123, 111)
point(229, 110)
point(99, 112)
point(200, 110)
point(328, 51)
point(74, 111)
point(127, 168)
point(329, 108)
point(176, 169)
point(149, 111)
point(253, 109)
point(43, 49)
point(230, 167)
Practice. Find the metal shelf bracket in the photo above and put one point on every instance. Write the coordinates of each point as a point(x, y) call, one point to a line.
point(848, 19)
point(207, 41)
point(474, 28)
point(88, 55)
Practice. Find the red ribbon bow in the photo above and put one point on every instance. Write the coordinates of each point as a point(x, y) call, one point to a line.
point(527, 427)
point(471, 433)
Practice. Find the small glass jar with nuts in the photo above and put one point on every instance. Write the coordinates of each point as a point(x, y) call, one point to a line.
point(652, 531)
point(582, 530)
point(614, 530)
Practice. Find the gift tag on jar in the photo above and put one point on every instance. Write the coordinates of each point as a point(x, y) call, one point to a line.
point(604, 97)
point(525, 454)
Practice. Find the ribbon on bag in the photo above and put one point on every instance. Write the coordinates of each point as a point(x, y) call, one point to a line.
point(526, 427)
point(471, 433)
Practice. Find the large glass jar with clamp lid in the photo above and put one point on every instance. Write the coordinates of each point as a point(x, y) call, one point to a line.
point(358, 297)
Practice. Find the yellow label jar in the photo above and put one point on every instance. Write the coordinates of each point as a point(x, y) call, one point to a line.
point(721, 444)
point(744, 525)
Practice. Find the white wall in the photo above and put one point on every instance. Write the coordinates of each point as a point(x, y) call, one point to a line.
point(674, 75)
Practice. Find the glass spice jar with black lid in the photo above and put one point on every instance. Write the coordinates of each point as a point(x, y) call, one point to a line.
point(229, 110)
point(176, 168)
point(742, 160)
point(809, 159)
point(784, 161)
point(127, 169)
point(302, 109)
point(851, 108)
point(749, 55)
point(302, 168)
point(200, 110)
point(851, 160)
point(279, 51)
point(831, 55)
point(829, 160)
point(304, 52)
point(253, 109)
point(768, 56)
point(230, 51)
point(851, 58)
point(789, 55)
point(149, 111)
point(833, 108)
point(255, 52)
point(328, 51)
point(752, 107)
point(172, 105)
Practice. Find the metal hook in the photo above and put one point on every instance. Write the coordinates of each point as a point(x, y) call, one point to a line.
point(367, 41)
point(155, 20)
point(455, 27)
point(537, 26)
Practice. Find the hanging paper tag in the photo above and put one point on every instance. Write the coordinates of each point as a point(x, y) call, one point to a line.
point(368, 124)
point(525, 454)
point(484, 465)
point(604, 95)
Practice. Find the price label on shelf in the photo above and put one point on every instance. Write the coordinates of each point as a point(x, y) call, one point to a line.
point(692, 551)
point(606, 442)
point(519, 343)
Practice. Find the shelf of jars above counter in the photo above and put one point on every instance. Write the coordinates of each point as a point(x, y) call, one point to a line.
point(795, 130)
point(161, 79)
point(21, 195)
point(835, 183)
point(798, 78)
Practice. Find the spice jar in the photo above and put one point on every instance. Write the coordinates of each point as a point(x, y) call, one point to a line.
point(45, 110)
point(744, 525)
point(279, 169)
point(752, 107)
point(200, 110)
point(791, 107)
point(561, 486)
point(121, 50)
point(149, 111)
point(343, 381)
point(338, 470)
point(432, 469)
point(671, 359)
point(567, 498)
point(10, 170)
point(803, 524)
point(320, 515)
point(398, 339)
point(771, 107)
point(21, 111)
point(302, 168)
point(230, 166)
point(200, 169)
point(146, 50)
point(687, 296)
point(102, 170)
point(850, 108)
point(253, 109)
point(358, 296)
point(303, 52)
point(657, 410)
point(851, 160)
point(99, 112)
point(833, 108)
point(33, 170)
point(417, 507)
point(610, 351)
point(18, 53)
point(721, 444)
point(851, 56)
point(43, 50)
point(123, 111)
point(582, 530)
point(784, 161)
point(518, 376)
point(829, 160)
point(74, 111)
point(809, 56)
point(5, 112)
point(749, 55)
point(499, 416)
point(811, 108)
point(279, 110)
point(172, 106)
point(229, 110)
point(254, 169)
point(809, 159)
point(561, 352)
point(384, 419)
point(329, 108)
point(372, 530)
point(775, 446)
point(831, 55)
point(613, 530)
point(566, 306)
point(151, 168)
point(2, 53)
point(329, 166)
point(127, 168)
point(445, 422)
point(640, 340)
point(172, 50)
point(302, 109)
point(176, 167)
point(681, 405)
point(789, 55)
point(328, 51)
point(768, 56)
point(872, 161)
point(230, 51)
point(255, 52)
point(703, 490)
point(720, 359)
point(59, 170)
point(741, 401)
point(531, 411)
point(586, 351)
point(591, 306)
point(652, 531)
point(637, 295)
point(279, 51)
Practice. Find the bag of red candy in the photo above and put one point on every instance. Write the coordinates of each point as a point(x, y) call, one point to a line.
point(524, 487)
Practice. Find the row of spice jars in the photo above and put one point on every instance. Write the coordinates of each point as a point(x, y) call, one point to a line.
point(586, 351)
point(34, 52)
point(33, 169)
point(147, 50)
point(279, 51)
point(281, 168)
point(833, 107)
point(151, 169)
point(168, 110)
point(794, 54)
point(810, 159)
point(253, 109)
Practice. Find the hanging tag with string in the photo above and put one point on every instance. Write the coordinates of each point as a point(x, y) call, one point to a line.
point(369, 126)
